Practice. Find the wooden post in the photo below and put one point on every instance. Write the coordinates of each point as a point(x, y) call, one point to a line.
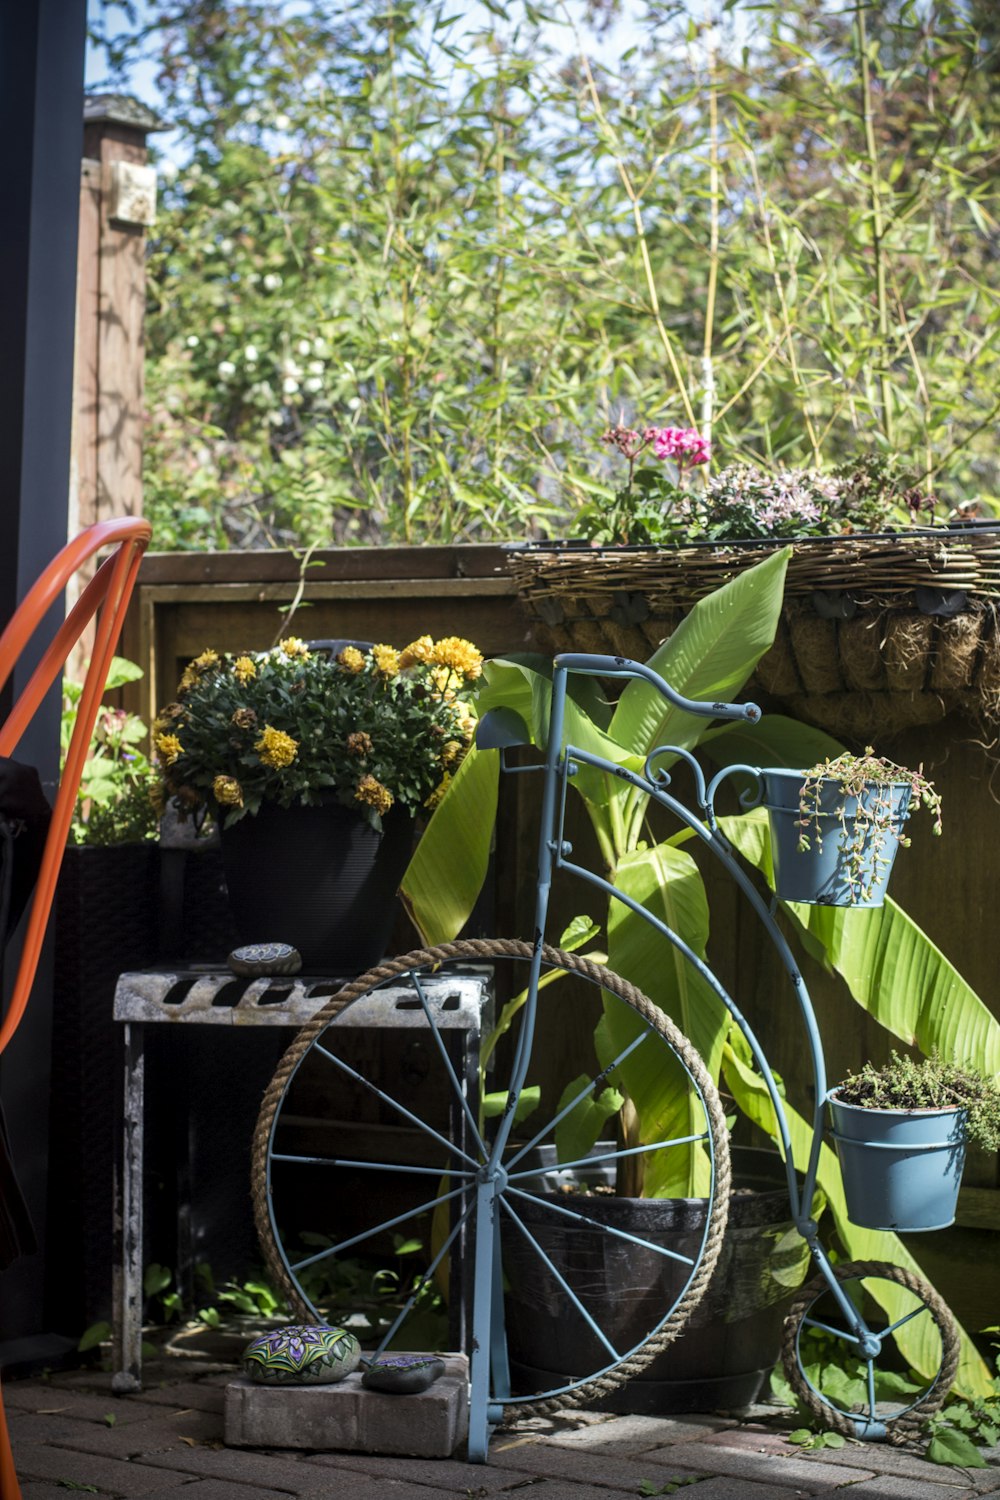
point(117, 203)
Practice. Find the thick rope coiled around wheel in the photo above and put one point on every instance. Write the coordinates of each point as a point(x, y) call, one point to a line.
point(483, 951)
point(900, 1429)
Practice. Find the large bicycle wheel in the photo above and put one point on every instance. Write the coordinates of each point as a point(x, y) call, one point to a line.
point(866, 1386)
point(373, 1142)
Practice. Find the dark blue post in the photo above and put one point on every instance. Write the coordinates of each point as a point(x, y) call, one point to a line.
point(41, 115)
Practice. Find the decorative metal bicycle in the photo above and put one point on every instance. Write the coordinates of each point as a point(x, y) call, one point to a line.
point(476, 1166)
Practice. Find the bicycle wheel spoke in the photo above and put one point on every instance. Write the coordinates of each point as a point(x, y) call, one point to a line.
point(411, 1301)
point(563, 1283)
point(618, 1234)
point(406, 1168)
point(300, 1265)
point(606, 1156)
point(870, 1382)
point(401, 1109)
point(913, 1313)
point(838, 1333)
point(457, 1088)
point(577, 1099)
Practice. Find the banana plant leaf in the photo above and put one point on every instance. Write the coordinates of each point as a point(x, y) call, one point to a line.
point(889, 963)
point(916, 1339)
point(446, 873)
point(709, 657)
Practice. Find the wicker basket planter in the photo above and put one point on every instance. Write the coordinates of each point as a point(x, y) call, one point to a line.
point(877, 633)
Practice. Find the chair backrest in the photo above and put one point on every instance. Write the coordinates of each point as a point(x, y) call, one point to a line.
point(106, 596)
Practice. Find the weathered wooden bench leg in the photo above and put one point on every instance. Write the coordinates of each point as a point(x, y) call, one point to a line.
point(127, 1298)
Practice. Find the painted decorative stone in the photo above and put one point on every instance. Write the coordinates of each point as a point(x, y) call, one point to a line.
point(259, 959)
point(310, 1354)
point(403, 1374)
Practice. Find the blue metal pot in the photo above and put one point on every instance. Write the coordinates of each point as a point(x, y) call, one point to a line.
point(901, 1168)
point(822, 875)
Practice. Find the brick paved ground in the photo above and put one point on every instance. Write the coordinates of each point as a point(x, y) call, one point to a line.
point(70, 1434)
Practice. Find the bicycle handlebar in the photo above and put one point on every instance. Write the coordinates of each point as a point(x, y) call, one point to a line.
point(621, 666)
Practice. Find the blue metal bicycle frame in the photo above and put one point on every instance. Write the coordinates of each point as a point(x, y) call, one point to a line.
point(561, 762)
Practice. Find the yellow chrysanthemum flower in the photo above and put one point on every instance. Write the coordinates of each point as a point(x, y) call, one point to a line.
point(157, 799)
point(188, 679)
point(386, 659)
point(244, 718)
point(244, 669)
point(438, 792)
point(351, 659)
point(443, 682)
point(372, 792)
point(359, 743)
point(275, 748)
point(461, 655)
point(294, 647)
point(168, 747)
point(420, 650)
point(205, 660)
point(227, 791)
point(450, 752)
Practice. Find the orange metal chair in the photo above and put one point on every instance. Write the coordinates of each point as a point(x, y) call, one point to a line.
point(106, 596)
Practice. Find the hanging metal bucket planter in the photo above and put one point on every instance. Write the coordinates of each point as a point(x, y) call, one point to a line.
point(841, 852)
point(901, 1168)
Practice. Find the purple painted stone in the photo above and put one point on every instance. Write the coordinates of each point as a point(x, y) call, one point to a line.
point(402, 1374)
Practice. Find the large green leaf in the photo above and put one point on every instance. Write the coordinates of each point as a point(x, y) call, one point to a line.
point(775, 741)
point(709, 657)
point(889, 964)
point(665, 881)
point(446, 873)
point(521, 684)
point(916, 1339)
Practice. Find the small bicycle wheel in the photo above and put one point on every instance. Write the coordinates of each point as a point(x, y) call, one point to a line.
point(871, 1389)
point(369, 1163)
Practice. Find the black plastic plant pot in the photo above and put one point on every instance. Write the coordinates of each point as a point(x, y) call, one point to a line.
point(320, 878)
point(723, 1355)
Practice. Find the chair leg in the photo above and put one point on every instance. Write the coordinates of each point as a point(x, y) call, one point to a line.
point(9, 1487)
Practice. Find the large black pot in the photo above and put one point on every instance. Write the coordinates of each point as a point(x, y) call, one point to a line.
point(320, 878)
point(722, 1358)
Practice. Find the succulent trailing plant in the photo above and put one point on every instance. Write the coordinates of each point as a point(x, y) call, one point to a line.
point(929, 1083)
point(867, 813)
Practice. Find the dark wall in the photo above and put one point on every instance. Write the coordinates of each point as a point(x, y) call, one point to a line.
point(41, 112)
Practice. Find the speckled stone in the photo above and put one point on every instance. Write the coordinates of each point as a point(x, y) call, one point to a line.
point(302, 1354)
point(403, 1374)
point(258, 960)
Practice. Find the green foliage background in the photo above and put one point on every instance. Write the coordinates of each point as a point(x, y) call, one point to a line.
point(417, 259)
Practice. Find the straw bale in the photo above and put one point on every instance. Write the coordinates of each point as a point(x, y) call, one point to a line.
point(626, 640)
point(908, 638)
point(776, 670)
point(589, 636)
point(814, 643)
point(861, 651)
point(867, 718)
point(955, 651)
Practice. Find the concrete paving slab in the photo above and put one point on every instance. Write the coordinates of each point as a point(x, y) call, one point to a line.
point(546, 1459)
point(450, 1475)
point(895, 1487)
point(638, 1434)
point(162, 1432)
point(760, 1463)
point(111, 1476)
